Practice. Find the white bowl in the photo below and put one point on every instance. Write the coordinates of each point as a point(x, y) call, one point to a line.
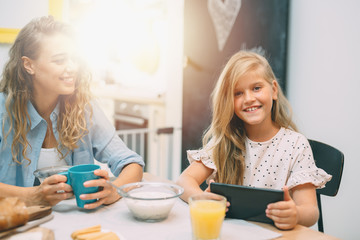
point(43, 173)
point(150, 201)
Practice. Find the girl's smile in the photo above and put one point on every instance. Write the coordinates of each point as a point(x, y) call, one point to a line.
point(252, 109)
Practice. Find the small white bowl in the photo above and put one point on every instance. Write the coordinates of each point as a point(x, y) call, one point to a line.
point(150, 201)
point(43, 173)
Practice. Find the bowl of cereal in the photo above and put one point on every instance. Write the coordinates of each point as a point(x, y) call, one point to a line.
point(43, 173)
point(150, 201)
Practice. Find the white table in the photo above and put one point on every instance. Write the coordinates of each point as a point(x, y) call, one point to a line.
point(117, 218)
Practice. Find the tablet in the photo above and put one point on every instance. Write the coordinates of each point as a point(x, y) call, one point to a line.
point(247, 203)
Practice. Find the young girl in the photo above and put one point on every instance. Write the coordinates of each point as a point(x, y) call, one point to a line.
point(48, 118)
point(252, 141)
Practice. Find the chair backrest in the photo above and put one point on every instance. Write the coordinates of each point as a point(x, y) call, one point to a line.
point(331, 160)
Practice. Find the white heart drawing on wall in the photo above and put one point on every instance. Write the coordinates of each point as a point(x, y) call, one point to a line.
point(223, 14)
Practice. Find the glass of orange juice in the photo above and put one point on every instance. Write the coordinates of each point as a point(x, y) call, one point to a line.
point(207, 212)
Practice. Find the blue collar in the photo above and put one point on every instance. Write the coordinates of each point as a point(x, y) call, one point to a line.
point(35, 116)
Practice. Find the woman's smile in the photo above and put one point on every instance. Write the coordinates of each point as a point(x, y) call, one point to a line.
point(69, 80)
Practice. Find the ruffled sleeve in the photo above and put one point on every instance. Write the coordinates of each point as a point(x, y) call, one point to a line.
point(304, 169)
point(317, 177)
point(205, 157)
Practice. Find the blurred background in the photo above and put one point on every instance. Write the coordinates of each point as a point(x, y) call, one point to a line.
point(155, 63)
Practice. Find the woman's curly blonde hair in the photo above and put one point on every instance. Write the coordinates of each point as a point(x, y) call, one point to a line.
point(226, 134)
point(17, 84)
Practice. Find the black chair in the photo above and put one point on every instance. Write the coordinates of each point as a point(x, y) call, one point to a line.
point(330, 160)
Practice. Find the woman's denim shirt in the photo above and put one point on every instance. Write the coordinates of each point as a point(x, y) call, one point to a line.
point(101, 143)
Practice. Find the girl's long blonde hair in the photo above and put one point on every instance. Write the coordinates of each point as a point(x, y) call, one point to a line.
point(226, 131)
point(17, 84)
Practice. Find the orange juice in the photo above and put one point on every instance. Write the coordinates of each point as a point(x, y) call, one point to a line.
point(206, 218)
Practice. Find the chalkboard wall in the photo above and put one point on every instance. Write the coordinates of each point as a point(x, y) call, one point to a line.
point(260, 23)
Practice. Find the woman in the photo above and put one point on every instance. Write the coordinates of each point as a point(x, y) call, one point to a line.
point(48, 118)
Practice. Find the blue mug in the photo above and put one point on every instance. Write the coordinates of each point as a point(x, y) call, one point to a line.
point(76, 176)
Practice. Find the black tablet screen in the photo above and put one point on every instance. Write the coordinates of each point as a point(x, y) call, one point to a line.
point(246, 202)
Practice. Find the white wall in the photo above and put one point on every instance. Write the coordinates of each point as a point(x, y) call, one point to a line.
point(15, 14)
point(4, 51)
point(323, 88)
